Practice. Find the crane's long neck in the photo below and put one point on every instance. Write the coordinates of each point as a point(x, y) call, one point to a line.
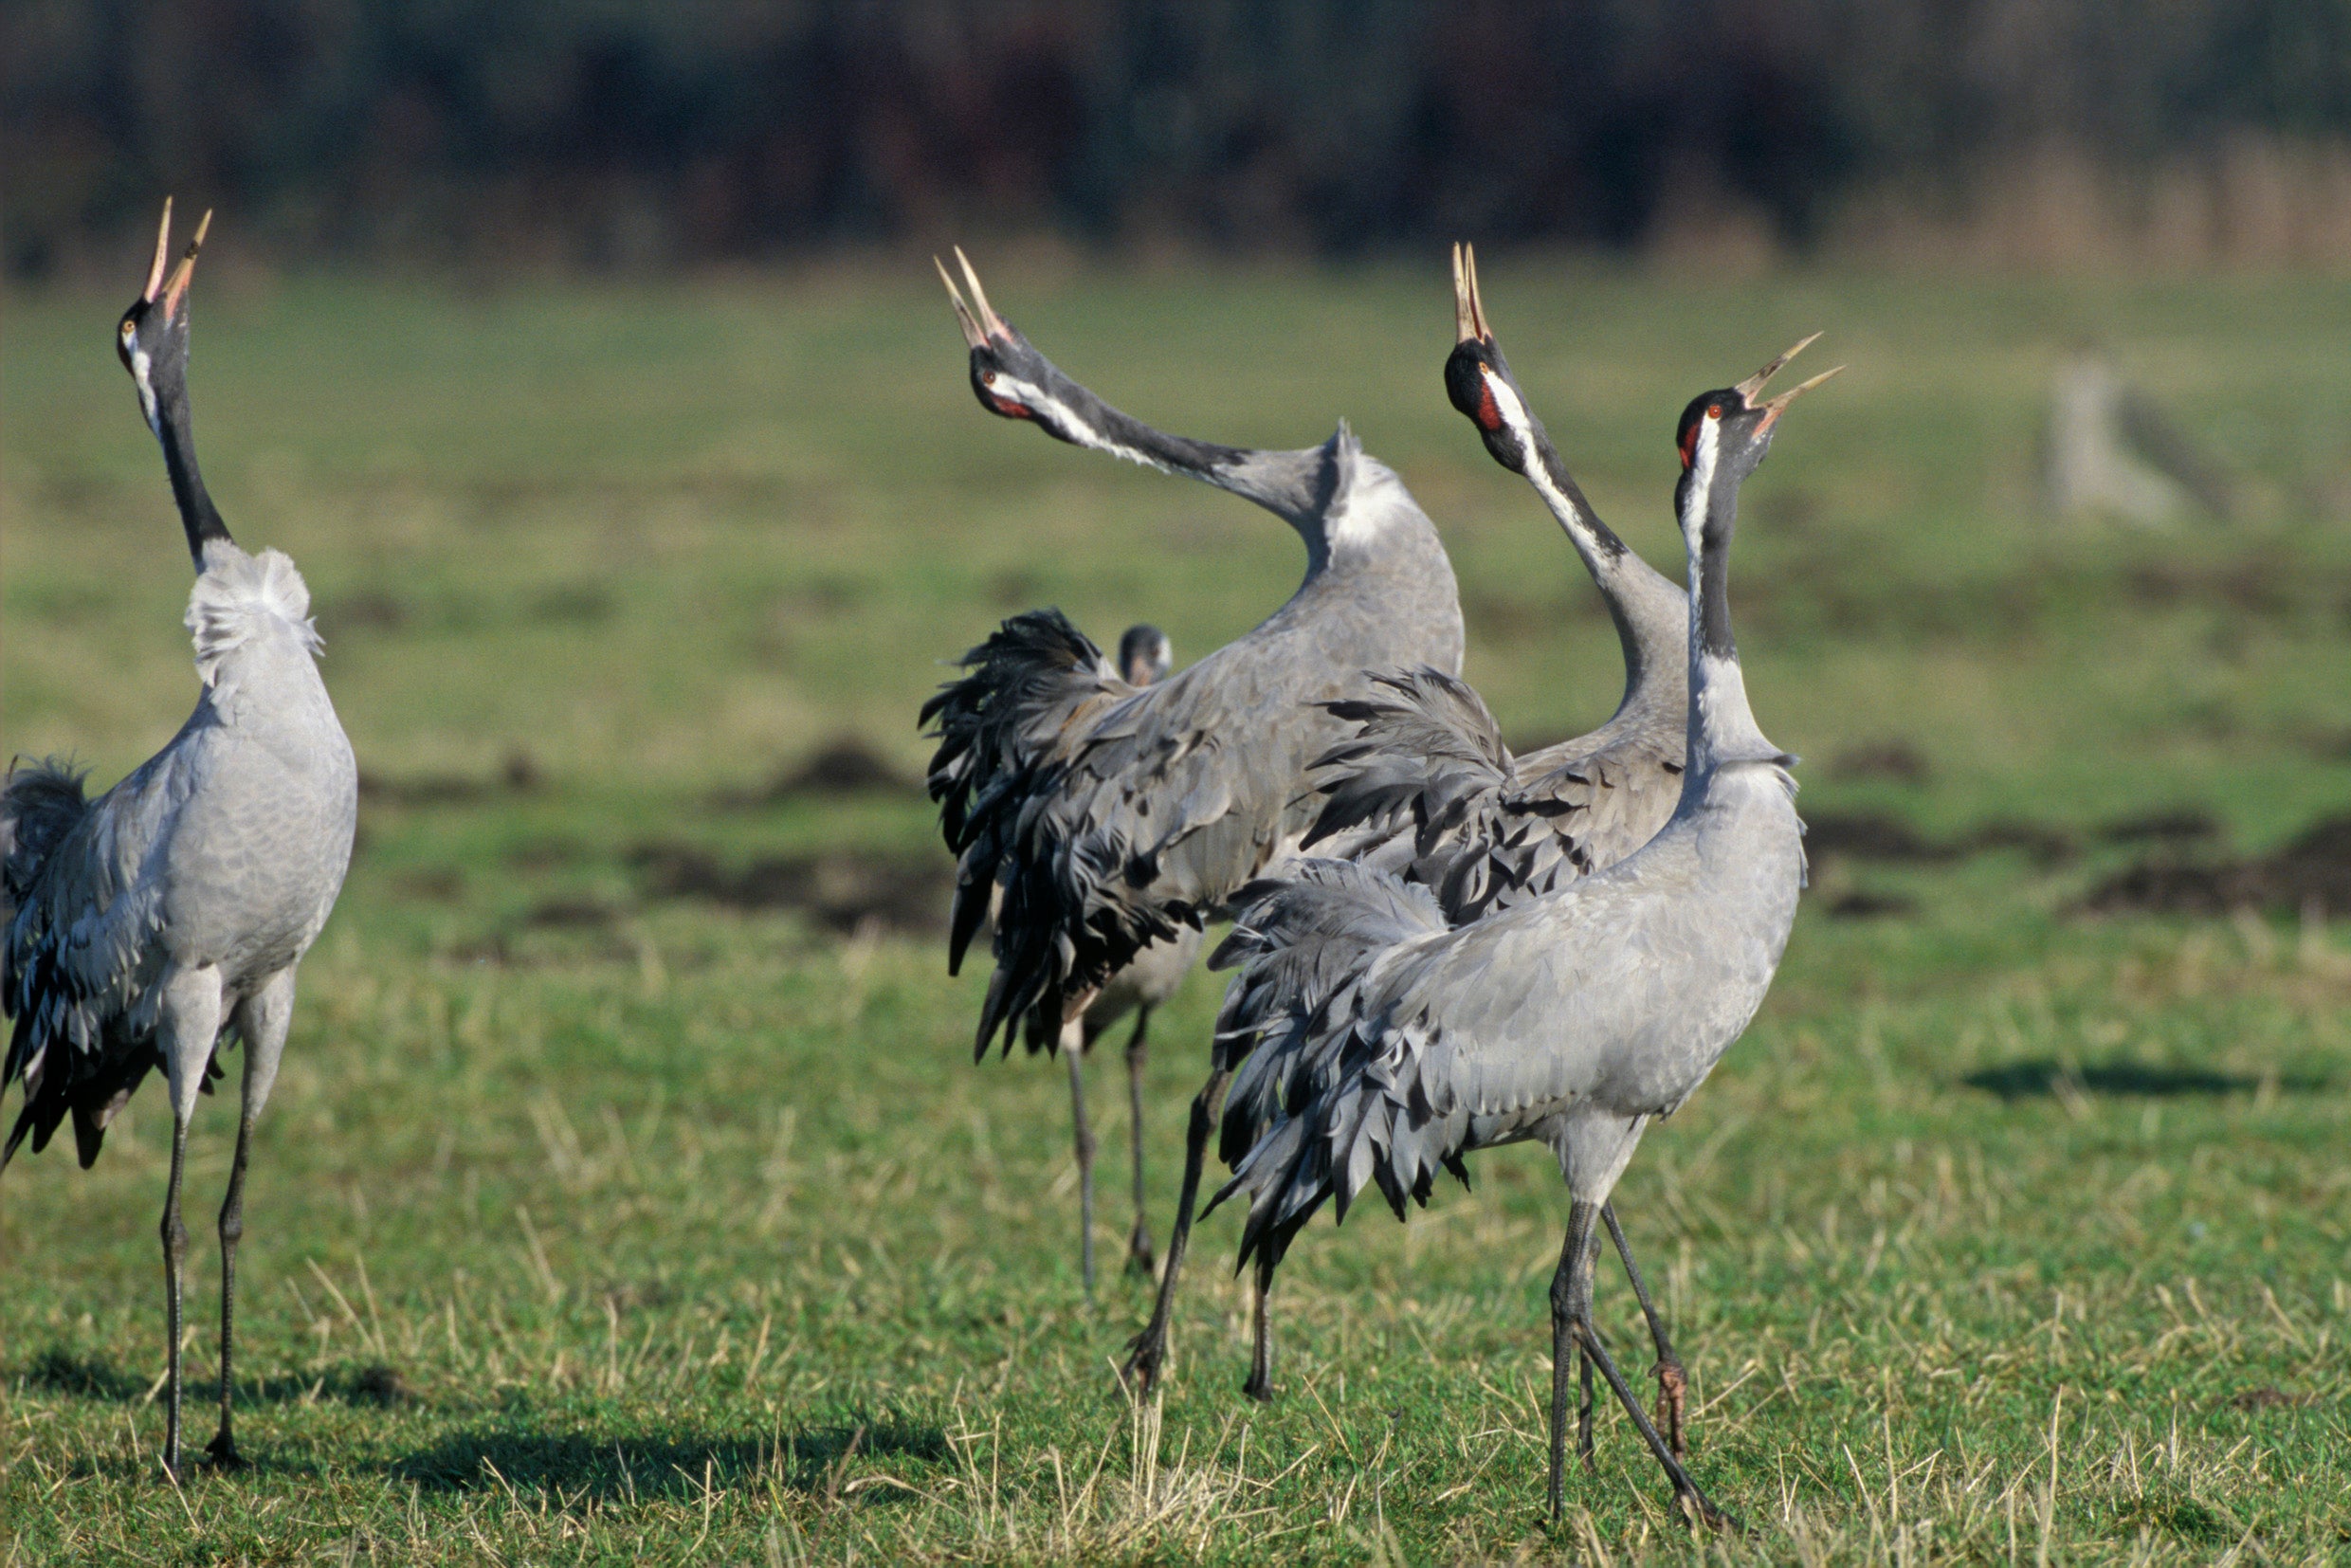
point(1723, 730)
point(1293, 484)
point(197, 515)
point(1645, 607)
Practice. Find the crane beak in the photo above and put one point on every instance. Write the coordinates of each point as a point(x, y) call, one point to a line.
point(1752, 386)
point(175, 291)
point(163, 254)
point(1468, 309)
point(972, 337)
point(1777, 405)
point(979, 320)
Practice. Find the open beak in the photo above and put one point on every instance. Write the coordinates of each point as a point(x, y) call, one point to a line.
point(1752, 387)
point(1774, 408)
point(174, 290)
point(980, 325)
point(163, 254)
point(1468, 310)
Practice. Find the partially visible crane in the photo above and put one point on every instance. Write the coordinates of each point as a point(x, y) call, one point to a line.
point(1145, 656)
point(1428, 788)
point(1096, 817)
point(148, 927)
point(1389, 1044)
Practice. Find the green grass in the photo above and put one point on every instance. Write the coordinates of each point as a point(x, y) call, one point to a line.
point(593, 1226)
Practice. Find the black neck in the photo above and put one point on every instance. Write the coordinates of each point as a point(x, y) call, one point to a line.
point(1586, 528)
point(1605, 555)
point(197, 515)
point(1714, 600)
point(1201, 459)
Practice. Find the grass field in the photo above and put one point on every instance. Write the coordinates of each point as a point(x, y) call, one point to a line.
point(630, 1194)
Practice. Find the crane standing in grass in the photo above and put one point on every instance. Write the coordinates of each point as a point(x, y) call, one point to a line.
point(146, 927)
point(1145, 656)
point(1098, 818)
point(1389, 1044)
point(1428, 789)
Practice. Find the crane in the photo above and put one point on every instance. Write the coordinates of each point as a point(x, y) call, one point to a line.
point(148, 927)
point(1428, 788)
point(1146, 655)
point(1390, 1044)
point(1096, 816)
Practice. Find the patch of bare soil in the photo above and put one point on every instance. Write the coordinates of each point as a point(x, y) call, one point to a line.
point(842, 890)
point(519, 774)
point(2313, 873)
point(840, 769)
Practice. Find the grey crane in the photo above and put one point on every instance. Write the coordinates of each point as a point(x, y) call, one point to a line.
point(1428, 788)
point(1146, 655)
point(1099, 817)
point(1389, 1044)
point(147, 927)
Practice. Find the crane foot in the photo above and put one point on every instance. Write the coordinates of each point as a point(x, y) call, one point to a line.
point(1672, 1397)
point(1146, 1357)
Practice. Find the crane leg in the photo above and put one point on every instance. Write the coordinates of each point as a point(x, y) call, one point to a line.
point(1585, 1404)
point(1147, 1354)
point(1571, 1330)
point(1141, 1258)
point(1260, 1384)
point(1073, 1047)
point(262, 1021)
point(188, 1027)
point(174, 1262)
point(1672, 1383)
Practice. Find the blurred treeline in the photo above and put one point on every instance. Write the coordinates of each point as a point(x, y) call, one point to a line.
point(649, 133)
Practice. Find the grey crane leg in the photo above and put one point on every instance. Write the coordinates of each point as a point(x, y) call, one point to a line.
point(1148, 1353)
point(188, 1026)
point(1572, 1329)
point(1141, 1258)
point(1585, 1406)
point(262, 1021)
point(1672, 1383)
point(174, 1261)
point(1073, 1047)
point(221, 1450)
point(1260, 1384)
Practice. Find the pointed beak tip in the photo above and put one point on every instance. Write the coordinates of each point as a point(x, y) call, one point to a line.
point(1469, 306)
point(163, 255)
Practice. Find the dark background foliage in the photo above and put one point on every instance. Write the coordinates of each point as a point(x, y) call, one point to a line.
point(653, 132)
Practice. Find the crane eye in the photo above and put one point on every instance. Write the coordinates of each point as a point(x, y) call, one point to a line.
point(1714, 410)
point(987, 378)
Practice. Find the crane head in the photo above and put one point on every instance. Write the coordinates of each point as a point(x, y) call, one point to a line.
point(1742, 418)
point(1478, 378)
point(1011, 378)
point(1146, 655)
point(1723, 434)
point(152, 337)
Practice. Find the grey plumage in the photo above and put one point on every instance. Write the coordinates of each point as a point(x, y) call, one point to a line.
point(1426, 785)
point(1149, 980)
point(1100, 818)
point(153, 925)
point(1573, 1017)
point(1427, 788)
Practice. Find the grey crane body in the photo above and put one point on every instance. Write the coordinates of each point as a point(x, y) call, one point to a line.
point(147, 927)
point(1391, 1043)
point(1096, 817)
point(1427, 790)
